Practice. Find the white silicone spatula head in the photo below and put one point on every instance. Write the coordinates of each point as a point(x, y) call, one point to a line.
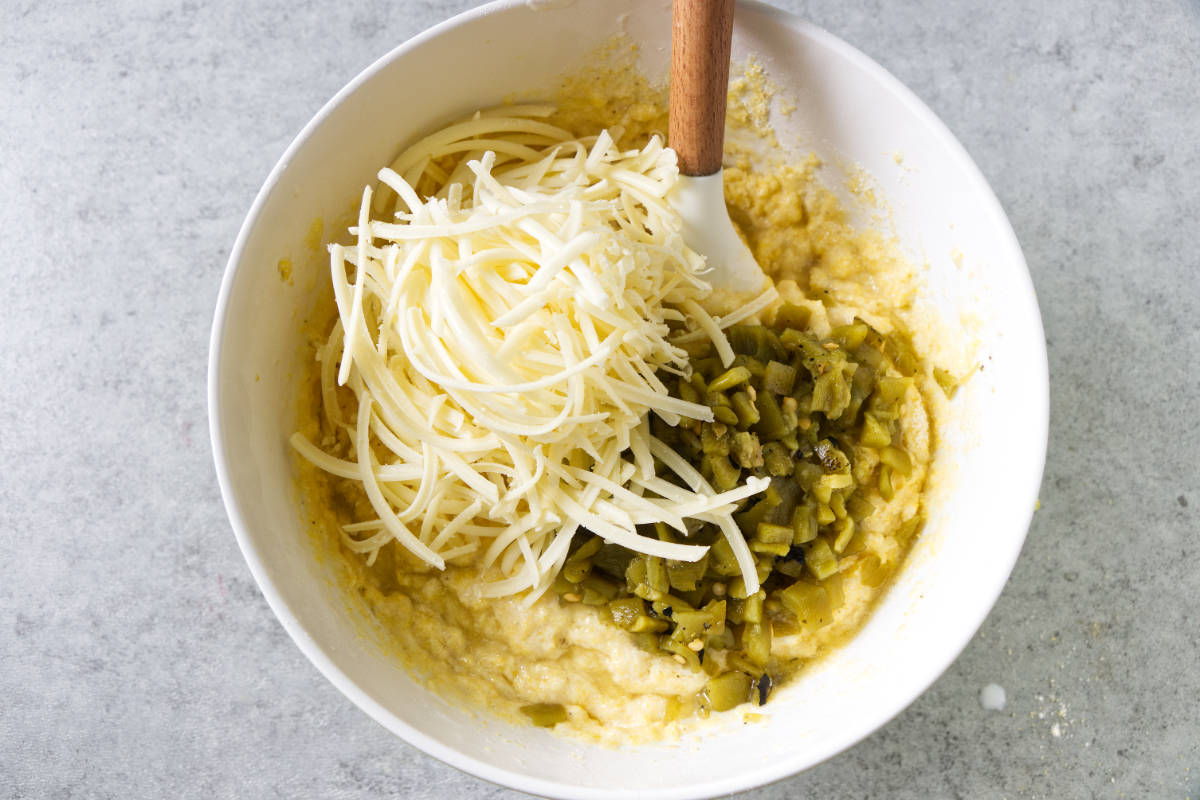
point(701, 34)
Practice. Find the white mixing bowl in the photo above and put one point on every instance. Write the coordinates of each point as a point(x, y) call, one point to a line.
point(849, 112)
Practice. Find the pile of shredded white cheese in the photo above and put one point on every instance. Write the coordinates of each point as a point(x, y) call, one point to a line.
point(501, 330)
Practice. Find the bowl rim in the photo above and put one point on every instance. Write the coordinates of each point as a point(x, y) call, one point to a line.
point(1039, 385)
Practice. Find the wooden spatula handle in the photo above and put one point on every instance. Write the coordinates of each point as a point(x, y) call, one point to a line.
point(701, 32)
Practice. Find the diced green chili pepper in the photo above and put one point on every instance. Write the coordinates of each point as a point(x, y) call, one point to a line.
point(752, 610)
point(743, 406)
point(712, 442)
point(590, 597)
point(792, 316)
point(886, 490)
point(745, 339)
point(612, 559)
point(820, 418)
point(575, 571)
point(770, 549)
point(545, 715)
point(685, 575)
point(562, 585)
point(843, 531)
point(851, 336)
point(721, 561)
point(807, 474)
point(708, 367)
point(725, 415)
point(723, 640)
point(947, 381)
point(897, 459)
point(837, 504)
point(689, 443)
point(809, 603)
point(688, 392)
point(770, 425)
point(587, 549)
point(699, 349)
point(899, 349)
point(874, 433)
point(871, 571)
point(728, 690)
point(859, 507)
point(834, 591)
point(804, 524)
point(792, 567)
point(601, 586)
point(689, 656)
point(890, 390)
point(757, 367)
point(745, 450)
point(756, 642)
point(777, 460)
point(625, 611)
point(819, 558)
point(646, 624)
point(909, 527)
point(735, 610)
point(831, 393)
point(690, 625)
point(773, 534)
point(725, 475)
point(656, 574)
point(732, 377)
point(779, 378)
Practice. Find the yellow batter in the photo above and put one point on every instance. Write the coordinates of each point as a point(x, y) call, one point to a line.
point(500, 655)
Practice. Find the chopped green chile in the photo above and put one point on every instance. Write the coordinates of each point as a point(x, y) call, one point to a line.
point(728, 690)
point(756, 643)
point(779, 378)
point(887, 489)
point(897, 459)
point(714, 441)
point(851, 336)
point(777, 459)
point(545, 715)
point(809, 603)
point(843, 533)
point(746, 450)
point(685, 576)
point(735, 376)
point(770, 426)
point(820, 559)
point(724, 475)
point(626, 611)
point(744, 408)
point(820, 418)
point(947, 381)
point(725, 415)
point(792, 316)
point(656, 575)
point(590, 597)
point(875, 432)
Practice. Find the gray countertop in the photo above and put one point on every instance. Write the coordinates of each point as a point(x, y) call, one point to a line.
point(137, 657)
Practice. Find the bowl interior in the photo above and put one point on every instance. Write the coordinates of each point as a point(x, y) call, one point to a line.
point(856, 118)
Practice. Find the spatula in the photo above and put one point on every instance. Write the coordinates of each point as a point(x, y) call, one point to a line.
point(701, 36)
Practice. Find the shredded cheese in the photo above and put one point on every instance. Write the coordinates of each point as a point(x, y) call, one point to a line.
point(501, 317)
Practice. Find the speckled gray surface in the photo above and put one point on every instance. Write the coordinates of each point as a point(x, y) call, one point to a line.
point(138, 659)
